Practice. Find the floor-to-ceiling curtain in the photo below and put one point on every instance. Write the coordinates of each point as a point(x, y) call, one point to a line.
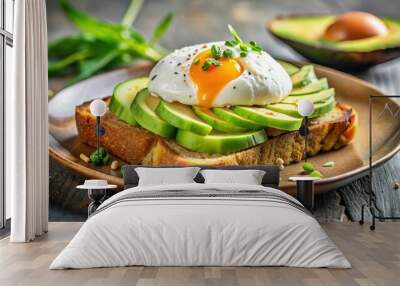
point(26, 124)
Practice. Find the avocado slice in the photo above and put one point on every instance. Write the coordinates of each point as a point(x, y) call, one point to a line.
point(220, 143)
point(304, 33)
point(122, 98)
point(311, 88)
point(304, 76)
point(291, 109)
point(323, 107)
point(269, 118)
point(217, 123)
point(314, 97)
point(230, 116)
point(143, 107)
point(182, 116)
point(289, 68)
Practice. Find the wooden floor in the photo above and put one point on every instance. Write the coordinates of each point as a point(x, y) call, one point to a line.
point(375, 257)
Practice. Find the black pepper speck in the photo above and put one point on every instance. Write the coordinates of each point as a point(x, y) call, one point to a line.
point(153, 77)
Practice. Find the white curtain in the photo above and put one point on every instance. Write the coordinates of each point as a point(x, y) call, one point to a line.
point(26, 124)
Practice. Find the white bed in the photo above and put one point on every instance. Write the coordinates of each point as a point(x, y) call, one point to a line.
point(201, 224)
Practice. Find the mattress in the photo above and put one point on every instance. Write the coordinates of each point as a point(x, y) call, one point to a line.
point(201, 225)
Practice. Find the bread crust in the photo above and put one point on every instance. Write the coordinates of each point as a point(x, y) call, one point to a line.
point(136, 145)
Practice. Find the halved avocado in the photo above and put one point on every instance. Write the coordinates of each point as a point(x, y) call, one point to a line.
point(314, 97)
point(217, 123)
point(291, 109)
point(123, 95)
point(220, 143)
point(230, 116)
point(304, 34)
point(143, 108)
point(269, 118)
point(311, 88)
point(289, 68)
point(182, 116)
point(304, 76)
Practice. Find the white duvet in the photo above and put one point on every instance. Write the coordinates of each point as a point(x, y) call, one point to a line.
point(206, 230)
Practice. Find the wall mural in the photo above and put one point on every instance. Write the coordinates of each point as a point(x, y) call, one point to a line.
point(225, 102)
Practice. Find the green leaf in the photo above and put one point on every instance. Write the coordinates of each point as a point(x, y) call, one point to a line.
point(91, 66)
point(161, 28)
point(102, 44)
point(111, 32)
point(68, 45)
point(132, 12)
point(56, 67)
point(96, 27)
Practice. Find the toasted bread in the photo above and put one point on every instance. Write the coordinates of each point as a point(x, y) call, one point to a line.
point(136, 145)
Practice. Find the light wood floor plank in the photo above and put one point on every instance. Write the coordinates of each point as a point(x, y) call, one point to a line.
point(375, 257)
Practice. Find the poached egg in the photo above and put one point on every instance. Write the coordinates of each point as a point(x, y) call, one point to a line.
point(254, 79)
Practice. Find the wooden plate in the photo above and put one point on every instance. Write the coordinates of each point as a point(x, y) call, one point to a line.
point(351, 162)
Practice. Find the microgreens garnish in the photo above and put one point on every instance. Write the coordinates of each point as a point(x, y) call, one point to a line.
point(228, 53)
point(234, 34)
point(244, 47)
point(231, 43)
point(216, 52)
point(210, 62)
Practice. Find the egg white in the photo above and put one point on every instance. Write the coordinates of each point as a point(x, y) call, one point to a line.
point(263, 80)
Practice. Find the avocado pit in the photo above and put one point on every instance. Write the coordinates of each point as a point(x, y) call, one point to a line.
point(355, 26)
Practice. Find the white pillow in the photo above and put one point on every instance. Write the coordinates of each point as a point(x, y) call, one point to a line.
point(248, 177)
point(166, 176)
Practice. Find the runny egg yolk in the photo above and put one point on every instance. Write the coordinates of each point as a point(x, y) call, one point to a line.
point(211, 81)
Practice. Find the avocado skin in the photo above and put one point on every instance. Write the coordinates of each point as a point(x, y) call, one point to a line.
point(342, 60)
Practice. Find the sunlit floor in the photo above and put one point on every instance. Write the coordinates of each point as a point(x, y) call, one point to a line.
point(375, 257)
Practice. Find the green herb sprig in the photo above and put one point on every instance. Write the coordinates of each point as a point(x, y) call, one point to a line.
point(244, 47)
point(210, 62)
point(99, 157)
point(217, 53)
point(102, 45)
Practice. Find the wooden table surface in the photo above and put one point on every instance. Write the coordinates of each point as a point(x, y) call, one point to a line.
point(206, 20)
point(374, 256)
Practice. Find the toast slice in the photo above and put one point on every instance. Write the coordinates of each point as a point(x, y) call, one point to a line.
point(136, 145)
